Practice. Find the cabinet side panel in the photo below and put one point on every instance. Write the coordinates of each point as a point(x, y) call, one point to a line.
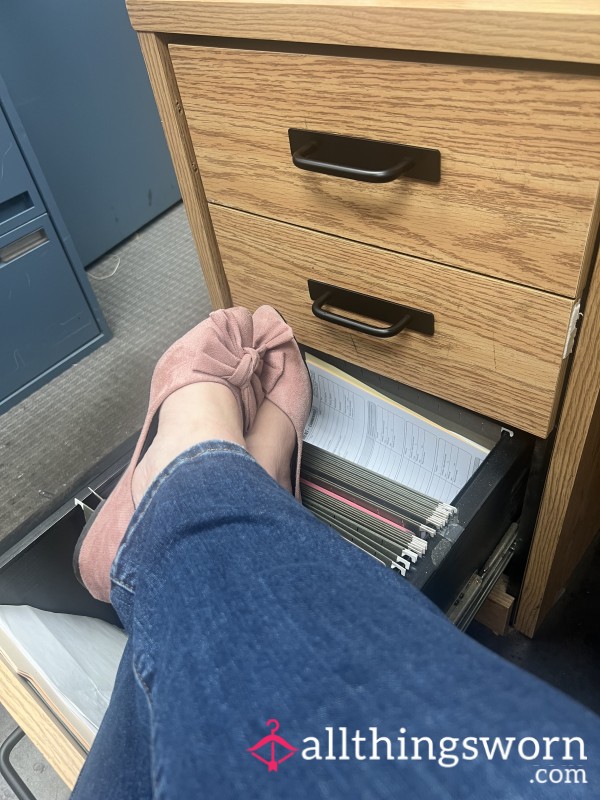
point(164, 86)
point(570, 508)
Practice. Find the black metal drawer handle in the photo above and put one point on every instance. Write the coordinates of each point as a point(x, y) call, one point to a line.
point(397, 316)
point(354, 324)
point(301, 160)
point(361, 159)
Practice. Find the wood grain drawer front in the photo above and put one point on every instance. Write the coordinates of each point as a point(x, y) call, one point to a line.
point(520, 154)
point(497, 347)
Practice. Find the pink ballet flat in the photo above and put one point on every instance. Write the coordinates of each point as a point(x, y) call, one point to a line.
point(219, 350)
point(289, 387)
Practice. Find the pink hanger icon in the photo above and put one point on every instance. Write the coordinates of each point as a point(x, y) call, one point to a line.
point(269, 741)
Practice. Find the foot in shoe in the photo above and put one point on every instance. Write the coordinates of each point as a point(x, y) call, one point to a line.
point(219, 353)
point(288, 388)
point(195, 413)
point(271, 441)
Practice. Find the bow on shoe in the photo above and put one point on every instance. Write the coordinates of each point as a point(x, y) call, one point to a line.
point(271, 334)
point(246, 378)
point(251, 363)
point(262, 365)
point(257, 372)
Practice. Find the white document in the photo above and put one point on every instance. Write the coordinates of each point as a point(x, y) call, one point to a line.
point(70, 661)
point(361, 425)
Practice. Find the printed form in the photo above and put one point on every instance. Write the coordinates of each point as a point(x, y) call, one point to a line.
point(361, 425)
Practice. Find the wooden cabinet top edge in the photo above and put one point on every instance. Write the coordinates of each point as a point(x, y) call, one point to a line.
point(555, 30)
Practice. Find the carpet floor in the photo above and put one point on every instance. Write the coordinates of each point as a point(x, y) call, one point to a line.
point(151, 290)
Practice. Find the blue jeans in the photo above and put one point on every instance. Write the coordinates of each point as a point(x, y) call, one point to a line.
point(248, 619)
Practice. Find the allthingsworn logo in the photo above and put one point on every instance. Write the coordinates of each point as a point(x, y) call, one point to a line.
point(272, 747)
point(558, 754)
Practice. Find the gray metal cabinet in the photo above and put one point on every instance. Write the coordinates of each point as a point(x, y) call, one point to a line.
point(49, 316)
point(19, 197)
point(76, 76)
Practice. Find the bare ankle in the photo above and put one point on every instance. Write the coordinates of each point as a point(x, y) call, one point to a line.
point(193, 414)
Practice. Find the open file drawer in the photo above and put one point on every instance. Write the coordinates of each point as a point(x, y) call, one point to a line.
point(483, 534)
point(38, 569)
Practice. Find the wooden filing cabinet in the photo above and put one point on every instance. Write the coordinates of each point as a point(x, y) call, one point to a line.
point(502, 249)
